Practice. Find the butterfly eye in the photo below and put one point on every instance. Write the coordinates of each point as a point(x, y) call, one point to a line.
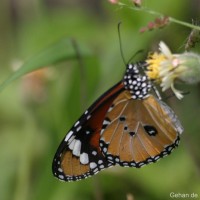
point(150, 130)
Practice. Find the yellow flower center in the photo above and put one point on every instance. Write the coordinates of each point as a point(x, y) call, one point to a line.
point(154, 62)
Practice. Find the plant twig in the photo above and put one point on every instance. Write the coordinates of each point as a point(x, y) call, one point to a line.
point(152, 12)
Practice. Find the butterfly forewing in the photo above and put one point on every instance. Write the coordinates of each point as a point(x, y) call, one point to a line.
point(138, 132)
point(79, 154)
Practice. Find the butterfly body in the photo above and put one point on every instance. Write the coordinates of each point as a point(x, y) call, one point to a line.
point(126, 126)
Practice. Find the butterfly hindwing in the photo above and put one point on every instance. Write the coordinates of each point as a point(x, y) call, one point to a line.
point(138, 132)
point(79, 154)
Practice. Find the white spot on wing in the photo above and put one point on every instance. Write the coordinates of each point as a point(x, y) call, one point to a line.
point(100, 162)
point(96, 170)
point(94, 153)
point(61, 177)
point(77, 148)
point(71, 146)
point(111, 107)
point(84, 158)
point(68, 136)
point(104, 149)
point(70, 140)
point(106, 122)
point(60, 170)
point(88, 117)
point(93, 165)
point(87, 132)
point(76, 123)
point(101, 166)
point(86, 112)
point(102, 130)
point(78, 129)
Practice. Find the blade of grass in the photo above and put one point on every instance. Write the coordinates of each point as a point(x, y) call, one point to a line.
point(63, 50)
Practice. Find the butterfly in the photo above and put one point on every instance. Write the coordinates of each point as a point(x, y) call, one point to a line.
point(127, 126)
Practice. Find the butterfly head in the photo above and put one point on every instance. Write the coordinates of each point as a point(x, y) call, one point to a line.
point(138, 84)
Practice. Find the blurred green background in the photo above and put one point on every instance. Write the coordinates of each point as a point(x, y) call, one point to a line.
point(38, 109)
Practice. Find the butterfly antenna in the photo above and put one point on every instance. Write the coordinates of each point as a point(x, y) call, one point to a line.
point(135, 54)
point(120, 43)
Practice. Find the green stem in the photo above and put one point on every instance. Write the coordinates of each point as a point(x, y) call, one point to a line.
point(152, 12)
point(184, 23)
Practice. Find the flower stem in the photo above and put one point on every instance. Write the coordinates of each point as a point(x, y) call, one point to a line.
point(152, 12)
point(184, 23)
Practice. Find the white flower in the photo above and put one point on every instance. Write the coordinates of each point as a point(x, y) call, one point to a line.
point(165, 68)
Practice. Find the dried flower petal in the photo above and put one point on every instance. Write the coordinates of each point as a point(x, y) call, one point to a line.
point(137, 3)
point(113, 1)
point(157, 23)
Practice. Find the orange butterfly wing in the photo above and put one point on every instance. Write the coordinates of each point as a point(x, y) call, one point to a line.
point(79, 154)
point(138, 132)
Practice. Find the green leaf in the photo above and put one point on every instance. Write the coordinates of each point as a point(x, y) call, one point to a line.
point(63, 50)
